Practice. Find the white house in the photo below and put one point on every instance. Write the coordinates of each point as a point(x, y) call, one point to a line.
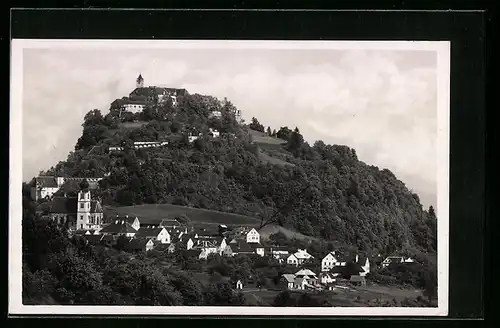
point(215, 114)
point(253, 236)
point(365, 265)
point(239, 284)
point(289, 280)
point(160, 234)
point(329, 261)
point(119, 228)
point(214, 133)
point(192, 138)
point(327, 277)
point(299, 257)
point(133, 106)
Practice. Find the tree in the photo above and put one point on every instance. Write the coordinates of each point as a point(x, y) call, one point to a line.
point(269, 133)
point(255, 125)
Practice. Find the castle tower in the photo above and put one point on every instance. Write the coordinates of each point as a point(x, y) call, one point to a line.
point(139, 83)
point(83, 206)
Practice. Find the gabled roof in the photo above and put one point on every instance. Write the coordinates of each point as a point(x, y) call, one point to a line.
point(120, 227)
point(305, 272)
point(64, 205)
point(289, 277)
point(148, 232)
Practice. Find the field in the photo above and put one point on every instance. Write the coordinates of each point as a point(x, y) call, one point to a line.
point(262, 138)
point(266, 158)
point(201, 216)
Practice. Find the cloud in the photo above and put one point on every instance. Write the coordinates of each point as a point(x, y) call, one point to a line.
point(382, 103)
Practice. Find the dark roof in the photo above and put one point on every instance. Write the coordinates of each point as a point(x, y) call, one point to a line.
point(119, 227)
point(136, 244)
point(148, 232)
point(128, 219)
point(93, 239)
point(66, 205)
point(75, 182)
point(243, 247)
point(187, 236)
point(47, 182)
point(150, 221)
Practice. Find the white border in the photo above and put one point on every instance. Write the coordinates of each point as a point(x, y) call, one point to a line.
point(442, 49)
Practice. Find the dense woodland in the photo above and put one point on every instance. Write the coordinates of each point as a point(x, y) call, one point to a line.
point(324, 191)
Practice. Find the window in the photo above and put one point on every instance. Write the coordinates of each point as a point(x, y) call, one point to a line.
point(82, 205)
point(81, 217)
point(81, 226)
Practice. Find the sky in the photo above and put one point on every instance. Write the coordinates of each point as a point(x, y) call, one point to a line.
point(382, 103)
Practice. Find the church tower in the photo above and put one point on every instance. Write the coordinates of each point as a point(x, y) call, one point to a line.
point(139, 83)
point(83, 209)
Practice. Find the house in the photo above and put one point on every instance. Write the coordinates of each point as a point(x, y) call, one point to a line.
point(300, 283)
point(119, 228)
point(358, 280)
point(396, 259)
point(329, 261)
point(171, 248)
point(215, 114)
point(253, 236)
point(239, 284)
point(139, 244)
point(133, 106)
point(228, 251)
point(91, 232)
point(241, 246)
point(289, 280)
point(192, 138)
point(213, 133)
point(299, 257)
point(279, 253)
point(188, 239)
point(132, 220)
point(159, 234)
point(327, 278)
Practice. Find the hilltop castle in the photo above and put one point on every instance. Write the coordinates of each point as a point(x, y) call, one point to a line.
point(136, 101)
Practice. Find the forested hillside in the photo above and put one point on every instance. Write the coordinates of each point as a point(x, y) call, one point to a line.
point(325, 192)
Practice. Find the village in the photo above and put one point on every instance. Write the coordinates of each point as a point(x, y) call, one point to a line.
point(136, 234)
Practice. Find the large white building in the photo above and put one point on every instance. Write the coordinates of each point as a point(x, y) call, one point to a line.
point(44, 187)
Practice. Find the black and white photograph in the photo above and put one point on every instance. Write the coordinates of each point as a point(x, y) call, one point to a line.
point(185, 177)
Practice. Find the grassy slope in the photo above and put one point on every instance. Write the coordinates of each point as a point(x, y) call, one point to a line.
point(266, 142)
point(200, 217)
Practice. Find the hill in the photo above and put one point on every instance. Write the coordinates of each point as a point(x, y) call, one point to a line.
point(318, 190)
